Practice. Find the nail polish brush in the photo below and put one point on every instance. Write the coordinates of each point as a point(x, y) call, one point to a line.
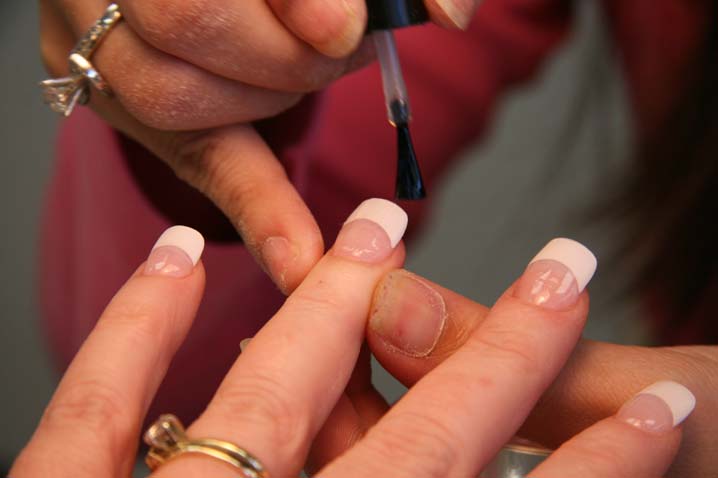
point(384, 16)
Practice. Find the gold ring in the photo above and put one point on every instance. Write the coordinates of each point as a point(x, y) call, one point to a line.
point(63, 94)
point(167, 440)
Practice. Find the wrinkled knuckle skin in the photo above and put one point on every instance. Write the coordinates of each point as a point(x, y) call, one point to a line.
point(266, 403)
point(408, 439)
point(315, 302)
point(94, 407)
point(508, 348)
point(190, 155)
point(201, 160)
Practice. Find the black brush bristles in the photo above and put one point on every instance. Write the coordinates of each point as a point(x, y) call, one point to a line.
point(409, 183)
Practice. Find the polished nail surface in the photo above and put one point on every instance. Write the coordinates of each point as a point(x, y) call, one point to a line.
point(371, 232)
point(574, 255)
point(408, 314)
point(557, 275)
point(659, 407)
point(175, 253)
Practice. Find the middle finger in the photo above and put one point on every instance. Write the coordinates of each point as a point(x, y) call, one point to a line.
point(285, 383)
point(457, 417)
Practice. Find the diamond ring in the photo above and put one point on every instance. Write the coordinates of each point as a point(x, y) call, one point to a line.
point(63, 94)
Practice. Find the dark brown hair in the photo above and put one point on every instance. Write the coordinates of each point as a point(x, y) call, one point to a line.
point(670, 203)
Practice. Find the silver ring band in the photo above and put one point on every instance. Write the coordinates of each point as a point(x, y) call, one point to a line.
point(63, 94)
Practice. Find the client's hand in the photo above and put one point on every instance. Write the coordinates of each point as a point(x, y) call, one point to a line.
point(416, 325)
point(297, 372)
point(189, 76)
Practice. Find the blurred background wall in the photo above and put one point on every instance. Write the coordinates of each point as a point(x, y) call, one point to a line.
point(554, 145)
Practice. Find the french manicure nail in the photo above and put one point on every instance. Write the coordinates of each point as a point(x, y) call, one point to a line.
point(557, 275)
point(371, 232)
point(459, 12)
point(175, 253)
point(408, 314)
point(659, 407)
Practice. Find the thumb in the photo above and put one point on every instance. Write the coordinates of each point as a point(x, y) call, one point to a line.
point(416, 324)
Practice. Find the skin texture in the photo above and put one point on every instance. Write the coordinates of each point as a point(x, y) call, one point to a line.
point(307, 371)
point(596, 380)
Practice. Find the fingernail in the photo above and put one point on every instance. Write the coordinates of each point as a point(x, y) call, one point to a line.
point(408, 314)
point(277, 255)
point(344, 40)
point(659, 407)
point(175, 253)
point(557, 275)
point(353, 30)
point(243, 344)
point(371, 232)
point(459, 12)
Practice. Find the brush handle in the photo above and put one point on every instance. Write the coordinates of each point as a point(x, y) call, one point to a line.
point(395, 95)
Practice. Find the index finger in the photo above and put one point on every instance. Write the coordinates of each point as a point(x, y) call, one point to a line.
point(286, 382)
point(235, 168)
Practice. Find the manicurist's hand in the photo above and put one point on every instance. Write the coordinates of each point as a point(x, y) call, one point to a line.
point(416, 325)
point(190, 77)
point(304, 374)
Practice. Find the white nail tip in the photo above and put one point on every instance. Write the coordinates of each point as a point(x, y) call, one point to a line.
point(186, 238)
point(386, 214)
point(574, 255)
point(679, 399)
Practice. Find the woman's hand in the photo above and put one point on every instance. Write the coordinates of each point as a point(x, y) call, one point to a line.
point(297, 373)
point(190, 76)
point(416, 325)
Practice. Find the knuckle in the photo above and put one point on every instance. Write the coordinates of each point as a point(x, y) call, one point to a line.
point(409, 439)
point(141, 327)
point(95, 406)
point(516, 350)
point(191, 156)
point(200, 159)
point(317, 301)
point(266, 403)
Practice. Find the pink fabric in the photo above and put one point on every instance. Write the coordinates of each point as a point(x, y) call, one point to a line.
point(109, 195)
